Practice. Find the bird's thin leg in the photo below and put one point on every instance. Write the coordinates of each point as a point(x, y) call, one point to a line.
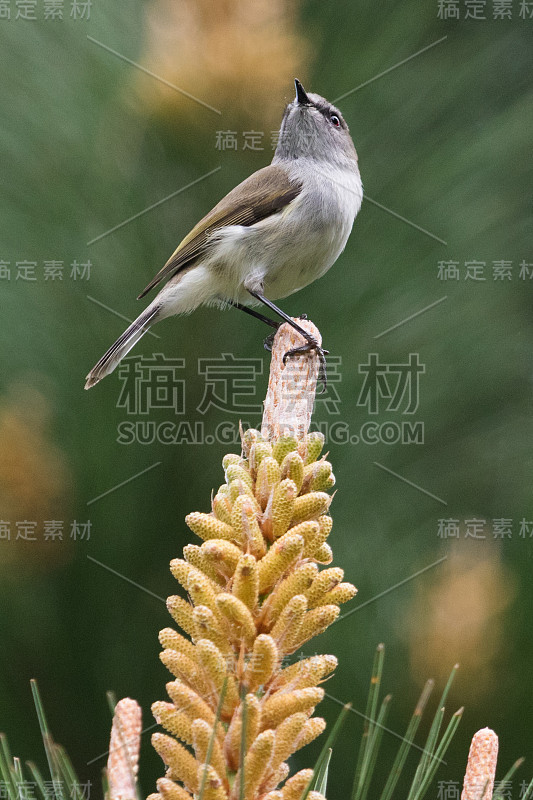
point(269, 340)
point(312, 343)
point(256, 314)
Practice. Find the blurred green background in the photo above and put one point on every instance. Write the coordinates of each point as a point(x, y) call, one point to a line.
point(88, 141)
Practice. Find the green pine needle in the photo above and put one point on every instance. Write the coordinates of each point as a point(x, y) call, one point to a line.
point(111, 701)
point(401, 756)
point(5, 768)
point(37, 777)
point(374, 746)
point(432, 753)
point(320, 782)
point(365, 750)
point(528, 794)
point(323, 755)
point(243, 743)
point(63, 781)
point(426, 775)
point(431, 741)
point(499, 789)
point(48, 742)
point(212, 738)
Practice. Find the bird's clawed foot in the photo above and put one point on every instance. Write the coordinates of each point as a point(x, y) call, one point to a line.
point(269, 341)
point(312, 344)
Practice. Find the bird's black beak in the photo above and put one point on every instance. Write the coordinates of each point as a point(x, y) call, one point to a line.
point(301, 96)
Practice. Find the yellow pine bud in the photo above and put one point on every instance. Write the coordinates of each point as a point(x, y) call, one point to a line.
point(245, 584)
point(180, 570)
point(325, 581)
point(283, 504)
point(202, 591)
point(244, 521)
point(274, 494)
point(182, 764)
point(169, 790)
point(310, 530)
point(232, 742)
point(305, 673)
point(196, 558)
point(276, 777)
point(258, 452)
point(201, 735)
point(295, 786)
point(207, 626)
point(314, 443)
point(287, 734)
point(292, 467)
point(172, 640)
point(175, 722)
point(279, 558)
point(155, 796)
point(257, 762)
point(340, 594)
point(313, 543)
point(308, 472)
point(281, 705)
point(312, 728)
point(222, 507)
point(322, 477)
point(239, 617)
point(206, 526)
point(236, 472)
point(186, 670)
point(213, 786)
point(262, 663)
point(230, 458)
point(248, 438)
point(315, 622)
point(297, 582)
point(289, 623)
point(187, 700)
point(326, 524)
point(123, 753)
point(268, 476)
point(253, 716)
point(213, 661)
point(185, 573)
point(216, 668)
point(222, 555)
point(238, 488)
point(284, 445)
point(310, 506)
point(318, 476)
point(182, 612)
point(324, 554)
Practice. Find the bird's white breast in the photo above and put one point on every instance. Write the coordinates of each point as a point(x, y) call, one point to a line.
point(294, 247)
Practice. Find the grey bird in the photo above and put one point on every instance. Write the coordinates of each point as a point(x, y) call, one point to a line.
point(273, 234)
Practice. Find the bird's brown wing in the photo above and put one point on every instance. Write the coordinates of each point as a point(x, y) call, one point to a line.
point(265, 192)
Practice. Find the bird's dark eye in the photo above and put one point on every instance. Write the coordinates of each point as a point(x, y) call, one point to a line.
point(335, 120)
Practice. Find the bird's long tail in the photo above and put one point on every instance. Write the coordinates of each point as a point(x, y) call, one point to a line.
point(123, 345)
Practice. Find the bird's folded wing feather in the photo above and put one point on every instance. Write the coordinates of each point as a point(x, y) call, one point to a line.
point(264, 193)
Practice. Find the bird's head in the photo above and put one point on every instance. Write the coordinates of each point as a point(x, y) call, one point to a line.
point(314, 128)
